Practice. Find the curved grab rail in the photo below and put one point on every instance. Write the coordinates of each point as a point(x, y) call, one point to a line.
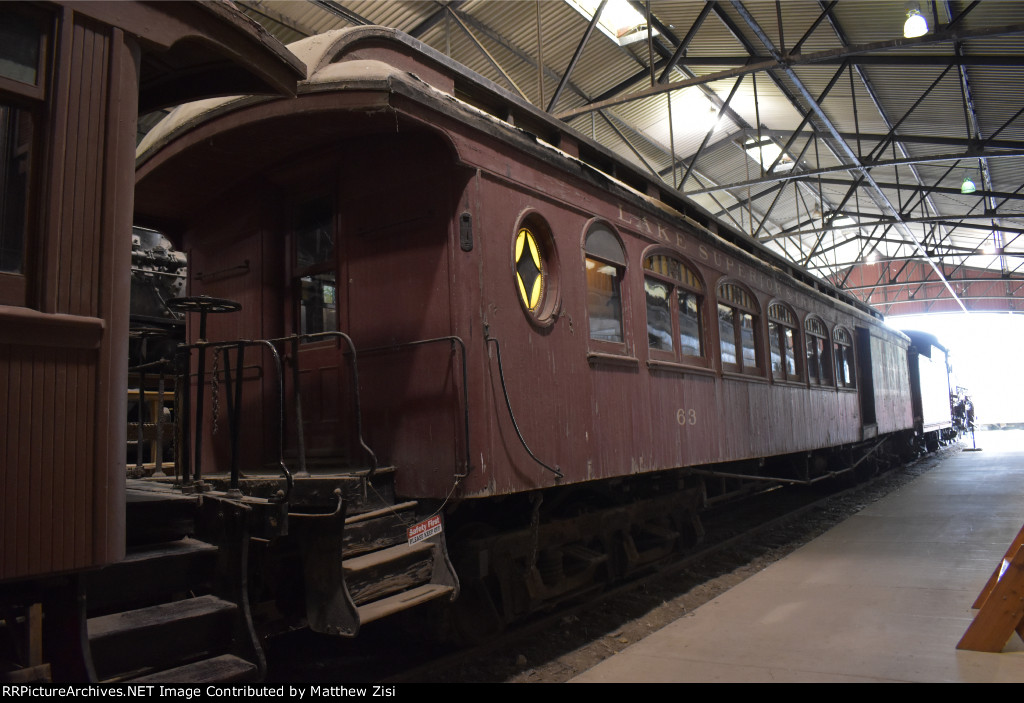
point(453, 340)
point(296, 338)
point(508, 403)
point(234, 407)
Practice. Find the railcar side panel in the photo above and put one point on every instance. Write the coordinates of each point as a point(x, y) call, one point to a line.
point(891, 377)
point(64, 290)
point(929, 381)
point(587, 408)
point(682, 404)
point(64, 340)
point(229, 258)
point(935, 391)
point(633, 404)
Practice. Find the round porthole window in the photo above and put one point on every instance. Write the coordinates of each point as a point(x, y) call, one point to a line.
point(529, 270)
point(535, 270)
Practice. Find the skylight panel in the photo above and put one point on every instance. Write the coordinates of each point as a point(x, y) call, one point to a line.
point(619, 20)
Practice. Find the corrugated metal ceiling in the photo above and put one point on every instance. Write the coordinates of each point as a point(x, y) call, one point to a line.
point(943, 112)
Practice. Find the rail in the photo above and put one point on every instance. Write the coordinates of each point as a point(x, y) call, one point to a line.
point(191, 467)
point(488, 339)
point(454, 341)
point(826, 475)
point(150, 406)
point(234, 401)
point(294, 340)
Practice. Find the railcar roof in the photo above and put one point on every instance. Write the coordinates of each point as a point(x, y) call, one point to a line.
point(326, 69)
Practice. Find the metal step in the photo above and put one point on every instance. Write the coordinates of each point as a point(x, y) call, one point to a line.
point(151, 574)
point(386, 571)
point(379, 574)
point(153, 517)
point(377, 529)
point(401, 601)
point(226, 668)
point(168, 633)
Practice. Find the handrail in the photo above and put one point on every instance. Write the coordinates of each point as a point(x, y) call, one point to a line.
point(295, 338)
point(158, 447)
point(234, 407)
point(508, 403)
point(234, 397)
point(465, 384)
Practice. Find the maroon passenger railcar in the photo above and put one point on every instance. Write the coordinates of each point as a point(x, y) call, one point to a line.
point(73, 78)
point(609, 332)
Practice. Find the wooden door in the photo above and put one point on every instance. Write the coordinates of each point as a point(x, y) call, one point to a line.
point(318, 307)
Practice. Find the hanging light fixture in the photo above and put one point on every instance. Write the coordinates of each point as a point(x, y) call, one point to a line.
point(967, 187)
point(916, 25)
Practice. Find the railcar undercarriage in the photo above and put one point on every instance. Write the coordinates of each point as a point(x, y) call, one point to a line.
point(527, 553)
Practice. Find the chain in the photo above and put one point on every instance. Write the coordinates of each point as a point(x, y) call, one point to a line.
point(181, 386)
point(215, 390)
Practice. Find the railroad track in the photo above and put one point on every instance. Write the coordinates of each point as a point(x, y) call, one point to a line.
point(740, 541)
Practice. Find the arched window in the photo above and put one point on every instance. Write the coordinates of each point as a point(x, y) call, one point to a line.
point(782, 342)
point(606, 264)
point(675, 304)
point(846, 373)
point(737, 329)
point(819, 360)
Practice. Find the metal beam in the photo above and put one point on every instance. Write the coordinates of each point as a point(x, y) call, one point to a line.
point(931, 140)
point(939, 220)
point(930, 281)
point(993, 60)
point(682, 46)
point(925, 199)
point(859, 167)
point(576, 55)
point(483, 50)
point(707, 137)
point(1006, 196)
point(830, 127)
point(338, 10)
point(437, 16)
point(787, 61)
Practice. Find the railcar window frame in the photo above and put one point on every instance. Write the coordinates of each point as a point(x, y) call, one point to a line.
point(818, 352)
point(311, 276)
point(684, 290)
point(842, 347)
point(534, 254)
point(22, 125)
point(735, 302)
point(784, 339)
point(605, 266)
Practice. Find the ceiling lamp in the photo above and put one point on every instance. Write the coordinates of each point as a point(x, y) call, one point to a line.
point(967, 187)
point(916, 25)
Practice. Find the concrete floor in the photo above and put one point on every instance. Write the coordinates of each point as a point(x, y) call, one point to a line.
point(885, 596)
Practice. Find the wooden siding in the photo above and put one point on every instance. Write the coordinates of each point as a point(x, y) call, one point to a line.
point(82, 181)
point(891, 374)
point(63, 365)
point(49, 401)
